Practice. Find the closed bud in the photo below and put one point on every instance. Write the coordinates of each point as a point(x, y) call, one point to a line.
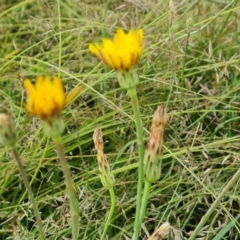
point(106, 175)
point(7, 131)
point(153, 151)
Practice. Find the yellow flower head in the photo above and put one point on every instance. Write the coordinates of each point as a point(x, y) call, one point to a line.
point(123, 52)
point(47, 98)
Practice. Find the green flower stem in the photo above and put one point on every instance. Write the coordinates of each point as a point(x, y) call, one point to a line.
point(113, 204)
point(146, 193)
point(30, 193)
point(235, 178)
point(69, 185)
point(133, 95)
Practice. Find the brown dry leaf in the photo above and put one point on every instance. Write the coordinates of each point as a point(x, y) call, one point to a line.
point(164, 230)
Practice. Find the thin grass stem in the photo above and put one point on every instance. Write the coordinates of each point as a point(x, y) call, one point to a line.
point(138, 122)
point(69, 185)
point(104, 30)
point(235, 177)
point(59, 38)
point(113, 204)
point(30, 192)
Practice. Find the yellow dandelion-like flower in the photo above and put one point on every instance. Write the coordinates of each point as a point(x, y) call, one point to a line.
point(47, 98)
point(123, 52)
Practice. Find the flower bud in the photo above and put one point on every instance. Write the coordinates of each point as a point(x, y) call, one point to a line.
point(106, 175)
point(7, 131)
point(152, 157)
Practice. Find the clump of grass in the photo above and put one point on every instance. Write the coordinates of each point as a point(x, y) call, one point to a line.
point(190, 61)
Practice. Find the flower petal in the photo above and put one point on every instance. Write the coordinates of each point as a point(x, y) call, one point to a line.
point(123, 52)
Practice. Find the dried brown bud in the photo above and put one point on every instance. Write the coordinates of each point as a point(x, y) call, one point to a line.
point(152, 158)
point(97, 139)
point(160, 117)
point(106, 175)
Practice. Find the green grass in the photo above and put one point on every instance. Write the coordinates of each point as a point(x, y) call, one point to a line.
point(190, 62)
